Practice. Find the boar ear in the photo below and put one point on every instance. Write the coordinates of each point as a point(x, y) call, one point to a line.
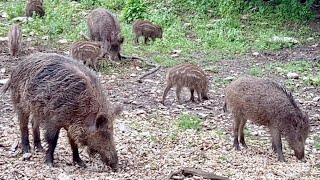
point(101, 120)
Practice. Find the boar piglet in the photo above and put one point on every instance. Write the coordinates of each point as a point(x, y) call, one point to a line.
point(267, 103)
point(36, 7)
point(147, 30)
point(57, 92)
point(87, 51)
point(190, 76)
point(14, 40)
point(104, 27)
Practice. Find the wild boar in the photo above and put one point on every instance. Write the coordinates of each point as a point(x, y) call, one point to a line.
point(267, 103)
point(58, 92)
point(104, 27)
point(36, 7)
point(187, 75)
point(87, 51)
point(14, 40)
point(147, 30)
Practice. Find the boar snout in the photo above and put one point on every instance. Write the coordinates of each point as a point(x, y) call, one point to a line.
point(111, 160)
point(299, 155)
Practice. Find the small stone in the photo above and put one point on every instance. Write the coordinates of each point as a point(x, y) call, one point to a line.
point(187, 24)
point(140, 111)
point(20, 19)
point(4, 81)
point(26, 156)
point(44, 37)
point(310, 38)
point(174, 55)
point(177, 51)
point(293, 76)
point(230, 78)
point(3, 38)
point(255, 53)
point(316, 99)
point(62, 41)
point(63, 176)
point(3, 70)
point(315, 45)
point(177, 177)
point(133, 75)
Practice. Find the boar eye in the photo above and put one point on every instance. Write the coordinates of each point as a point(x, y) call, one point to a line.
point(100, 121)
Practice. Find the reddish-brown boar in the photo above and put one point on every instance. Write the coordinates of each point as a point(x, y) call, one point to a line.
point(190, 76)
point(14, 40)
point(147, 30)
point(87, 51)
point(36, 7)
point(58, 92)
point(267, 103)
point(104, 27)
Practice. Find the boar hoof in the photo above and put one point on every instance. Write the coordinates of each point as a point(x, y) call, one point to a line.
point(26, 156)
point(50, 164)
point(79, 162)
point(39, 148)
point(281, 159)
point(236, 147)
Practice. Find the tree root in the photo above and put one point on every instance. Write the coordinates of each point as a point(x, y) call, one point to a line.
point(190, 171)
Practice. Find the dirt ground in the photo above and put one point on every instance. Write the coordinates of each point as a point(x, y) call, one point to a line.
point(149, 142)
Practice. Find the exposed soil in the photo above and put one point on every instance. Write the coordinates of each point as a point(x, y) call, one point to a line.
point(151, 144)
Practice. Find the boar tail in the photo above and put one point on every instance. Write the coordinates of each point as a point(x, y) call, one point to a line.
point(6, 86)
point(225, 107)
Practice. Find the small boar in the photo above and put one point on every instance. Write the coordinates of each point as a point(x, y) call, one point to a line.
point(87, 51)
point(35, 6)
point(58, 92)
point(14, 40)
point(187, 75)
point(147, 30)
point(104, 27)
point(267, 103)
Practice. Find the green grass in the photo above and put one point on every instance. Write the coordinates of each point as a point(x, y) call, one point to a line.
point(187, 121)
point(256, 71)
point(205, 31)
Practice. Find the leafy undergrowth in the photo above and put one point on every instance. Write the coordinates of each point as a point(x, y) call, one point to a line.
point(204, 31)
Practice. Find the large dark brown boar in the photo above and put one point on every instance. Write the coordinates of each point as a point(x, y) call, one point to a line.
point(35, 6)
point(87, 51)
point(58, 92)
point(187, 75)
point(147, 30)
point(14, 40)
point(104, 27)
point(267, 103)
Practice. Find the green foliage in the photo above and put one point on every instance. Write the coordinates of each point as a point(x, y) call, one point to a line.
point(256, 71)
point(134, 9)
point(313, 81)
point(15, 9)
point(302, 67)
point(187, 121)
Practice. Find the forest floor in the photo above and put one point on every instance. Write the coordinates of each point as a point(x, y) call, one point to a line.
point(151, 139)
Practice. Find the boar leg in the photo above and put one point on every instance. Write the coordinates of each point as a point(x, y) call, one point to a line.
point(52, 135)
point(241, 127)
point(95, 61)
point(276, 143)
point(192, 94)
point(36, 135)
point(178, 92)
point(199, 95)
point(236, 124)
point(169, 86)
point(146, 38)
point(75, 153)
point(136, 39)
point(23, 119)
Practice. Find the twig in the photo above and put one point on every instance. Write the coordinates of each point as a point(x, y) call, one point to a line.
point(190, 171)
point(148, 62)
point(85, 36)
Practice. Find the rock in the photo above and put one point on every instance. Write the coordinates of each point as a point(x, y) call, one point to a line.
point(3, 70)
point(315, 45)
point(3, 38)
point(26, 156)
point(177, 51)
point(310, 38)
point(255, 53)
point(316, 99)
point(21, 19)
point(62, 41)
point(187, 24)
point(4, 81)
point(174, 55)
point(230, 78)
point(63, 176)
point(133, 75)
point(292, 76)
point(45, 38)
point(140, 111)
point(4, 15)
point(283, 39)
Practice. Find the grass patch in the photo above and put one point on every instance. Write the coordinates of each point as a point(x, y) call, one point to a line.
point(187, 121)
point(205, 31)
point(256, 71)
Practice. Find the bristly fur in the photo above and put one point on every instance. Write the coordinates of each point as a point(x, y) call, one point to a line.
point(58, 92)
point(147, 30)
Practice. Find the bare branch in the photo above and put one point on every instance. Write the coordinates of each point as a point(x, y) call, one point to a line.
point(190, 171)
